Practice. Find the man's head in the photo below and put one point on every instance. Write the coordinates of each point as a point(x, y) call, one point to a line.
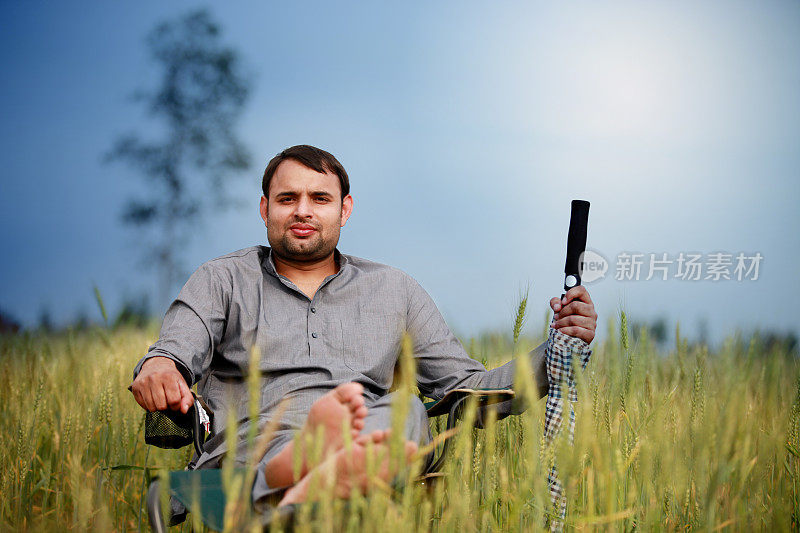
point(311, 157)
point(305, 204)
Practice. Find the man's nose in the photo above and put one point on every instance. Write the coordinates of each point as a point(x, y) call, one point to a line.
point(304, 207)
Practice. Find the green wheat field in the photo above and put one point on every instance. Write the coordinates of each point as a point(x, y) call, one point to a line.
point(680, 439)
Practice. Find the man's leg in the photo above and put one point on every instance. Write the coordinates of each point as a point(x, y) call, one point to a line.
point(265, 497)
point(348, 469)
point(341, 408)
point(379, 416)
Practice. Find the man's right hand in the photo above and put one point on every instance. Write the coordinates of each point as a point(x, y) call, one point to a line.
point(160, 385)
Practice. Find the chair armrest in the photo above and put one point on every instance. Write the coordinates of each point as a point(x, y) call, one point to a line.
point(484, 396)
point(453, 404)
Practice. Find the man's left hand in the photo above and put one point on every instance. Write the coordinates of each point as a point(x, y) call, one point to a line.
point(575, 315)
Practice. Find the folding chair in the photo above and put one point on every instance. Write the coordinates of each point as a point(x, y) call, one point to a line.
point(201, 491)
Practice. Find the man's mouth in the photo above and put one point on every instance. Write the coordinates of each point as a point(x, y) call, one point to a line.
point(302, 230)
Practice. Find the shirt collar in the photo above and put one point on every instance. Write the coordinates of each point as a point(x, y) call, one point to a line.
point(269, 263)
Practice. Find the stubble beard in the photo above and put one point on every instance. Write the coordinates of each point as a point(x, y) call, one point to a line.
point(308, 250)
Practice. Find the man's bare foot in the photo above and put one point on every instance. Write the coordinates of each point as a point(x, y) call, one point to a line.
point(342, 407)
point(348, 468)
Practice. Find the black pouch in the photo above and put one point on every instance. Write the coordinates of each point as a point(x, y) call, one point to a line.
point(173, 429)
point(169, 429)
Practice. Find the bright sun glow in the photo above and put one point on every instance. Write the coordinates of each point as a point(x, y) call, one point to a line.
point(615, 91)
point(625, 98)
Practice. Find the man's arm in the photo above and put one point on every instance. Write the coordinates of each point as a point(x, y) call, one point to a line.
point(443, 364)
point(192, 328)
point(574, 315)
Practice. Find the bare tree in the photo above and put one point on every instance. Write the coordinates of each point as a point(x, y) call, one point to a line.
point(201, 94)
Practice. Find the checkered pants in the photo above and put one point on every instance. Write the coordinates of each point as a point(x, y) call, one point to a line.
point(559, 352)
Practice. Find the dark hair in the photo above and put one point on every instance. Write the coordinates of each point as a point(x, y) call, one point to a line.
point(311, 157)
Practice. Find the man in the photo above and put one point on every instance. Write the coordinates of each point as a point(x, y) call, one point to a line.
point(328, 328)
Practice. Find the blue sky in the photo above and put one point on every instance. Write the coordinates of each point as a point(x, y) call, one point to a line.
point(466, 129)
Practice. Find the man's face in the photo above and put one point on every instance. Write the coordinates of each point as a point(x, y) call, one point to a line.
point(304, 212)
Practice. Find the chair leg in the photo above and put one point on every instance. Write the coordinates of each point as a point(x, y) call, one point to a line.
point(452, 419)
point(154, 511)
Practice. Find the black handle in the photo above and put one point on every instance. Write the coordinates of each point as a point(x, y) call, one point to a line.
point(576, 243)
point(198, 433)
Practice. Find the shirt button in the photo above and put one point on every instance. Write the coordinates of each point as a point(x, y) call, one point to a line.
point(313, 309)
point(314, 335)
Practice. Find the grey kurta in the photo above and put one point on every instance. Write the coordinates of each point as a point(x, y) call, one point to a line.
point(350, 331)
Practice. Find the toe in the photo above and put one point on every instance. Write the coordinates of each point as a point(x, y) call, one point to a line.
point(379, 436)
point(363, 439)
point(356, 401)
point(346, 390)
point(357, 408)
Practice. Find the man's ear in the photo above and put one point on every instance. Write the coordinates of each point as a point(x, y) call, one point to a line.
point(263, 209)
point(347, 209)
